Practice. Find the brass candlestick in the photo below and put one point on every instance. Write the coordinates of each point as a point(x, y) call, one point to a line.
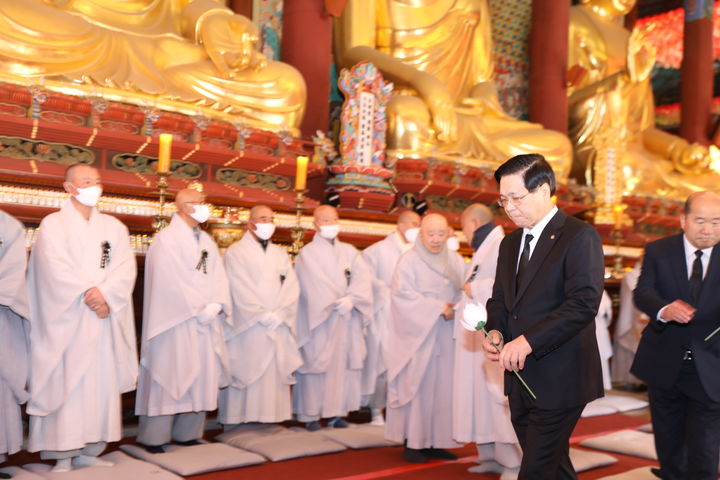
point(617, 271)
point(160, 221)
point(297, 231)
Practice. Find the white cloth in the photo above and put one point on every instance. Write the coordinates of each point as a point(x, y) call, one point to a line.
point(602, 333)
point(480, 409)
point(261, 342)
point(381, 258)
point(332, 345)
point(419, 352)
point(14, 332)
point(183, 362)
point(80, 363)
point(628, 328)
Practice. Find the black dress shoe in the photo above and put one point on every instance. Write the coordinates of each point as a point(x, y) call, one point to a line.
point(190, 443)
point(438, 453)
point(414, 455)
point(656, 471)
point(5, 475)
point(154, 449)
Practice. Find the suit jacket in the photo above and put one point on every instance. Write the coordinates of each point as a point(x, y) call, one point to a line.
point(555, 308)
point(664, 279)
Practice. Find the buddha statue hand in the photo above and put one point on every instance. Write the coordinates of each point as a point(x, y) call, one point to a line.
point(691, 158)
point(441, 106)
point(230, 43)
point(640, 56)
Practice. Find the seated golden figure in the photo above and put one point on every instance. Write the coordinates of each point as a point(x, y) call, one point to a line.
point(182, 55)
point(438, 54)
point(611, 107)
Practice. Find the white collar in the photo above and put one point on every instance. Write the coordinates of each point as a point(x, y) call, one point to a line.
point(537, 230)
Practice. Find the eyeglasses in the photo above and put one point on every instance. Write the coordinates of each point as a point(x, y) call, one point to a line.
point(503, 202)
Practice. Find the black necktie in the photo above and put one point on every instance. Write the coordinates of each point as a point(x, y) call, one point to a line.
point(696, 278)
point(524, 260)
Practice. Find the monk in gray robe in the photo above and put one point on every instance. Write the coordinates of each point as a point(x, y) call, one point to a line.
point(419, 351)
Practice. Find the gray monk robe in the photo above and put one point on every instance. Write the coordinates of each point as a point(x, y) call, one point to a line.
point(419, 350)
point(80, 363)
point(14, 331)
point(261, 341)
point(331, 343)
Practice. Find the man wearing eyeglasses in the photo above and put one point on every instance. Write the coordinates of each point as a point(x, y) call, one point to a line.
point(541, 314)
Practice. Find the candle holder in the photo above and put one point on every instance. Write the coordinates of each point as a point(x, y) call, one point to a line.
point(297, 231)
point(618, 271)
point(160, 221)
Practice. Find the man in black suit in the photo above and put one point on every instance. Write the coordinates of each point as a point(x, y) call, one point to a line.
point(679, 290)
point(547, 291)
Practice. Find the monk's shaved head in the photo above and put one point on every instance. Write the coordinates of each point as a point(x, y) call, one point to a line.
point(433, 220)
point(325, 215)
point(408, 219)
point(261, 214)
point(479, 212)
point(434, 232)
point(80, 170)
point(188, 195)
point(474, 217)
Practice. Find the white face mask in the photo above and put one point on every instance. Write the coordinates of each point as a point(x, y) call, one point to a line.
point(264, 230)
point(201, 213)
point(329, 231)
point(411, 234)
point(453, 244)
point(89, 196)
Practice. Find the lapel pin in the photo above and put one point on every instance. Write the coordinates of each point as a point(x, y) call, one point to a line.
point(552, 237)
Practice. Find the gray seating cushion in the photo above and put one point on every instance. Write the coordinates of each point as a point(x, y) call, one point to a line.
point(196, 459)
point(125, 468)
point(642, 473)
point(358, 436)
point(584, 460)
point(18, 473)
point(612, 403)
point(627, 442)
point(278, 443)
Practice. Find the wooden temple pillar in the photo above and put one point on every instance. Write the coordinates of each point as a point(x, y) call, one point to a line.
point(548, 49)
point(307, 45)
point(696, 78)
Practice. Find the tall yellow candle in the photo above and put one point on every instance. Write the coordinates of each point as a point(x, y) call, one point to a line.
point(163, 165)
point(618, 209)
point(301, 173)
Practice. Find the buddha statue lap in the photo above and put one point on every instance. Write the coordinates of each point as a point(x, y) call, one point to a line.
point(186, 55)
point(445, 103)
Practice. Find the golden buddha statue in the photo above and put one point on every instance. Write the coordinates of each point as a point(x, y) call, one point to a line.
point(445, 104)
point(182, 55)
point(611, 107)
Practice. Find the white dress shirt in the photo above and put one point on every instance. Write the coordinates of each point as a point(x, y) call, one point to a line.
point(535, 231)
point(689, 260)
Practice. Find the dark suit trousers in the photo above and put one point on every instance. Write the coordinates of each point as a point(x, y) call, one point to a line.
point(544, 436)
point(686, 425)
